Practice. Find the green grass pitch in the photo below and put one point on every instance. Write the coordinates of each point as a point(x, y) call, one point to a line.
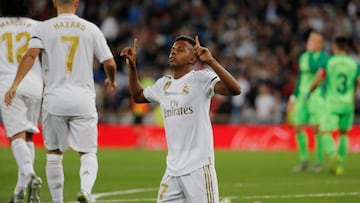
point(244, 177)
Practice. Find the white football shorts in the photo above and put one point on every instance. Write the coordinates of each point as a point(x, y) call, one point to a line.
point(21, 116)
point(199, 186)
point(78, 132)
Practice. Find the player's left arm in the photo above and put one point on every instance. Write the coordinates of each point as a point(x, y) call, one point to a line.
point(320, 76)
point(227, 85)
point(25, 65)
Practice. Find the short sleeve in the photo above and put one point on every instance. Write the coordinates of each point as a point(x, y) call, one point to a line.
point(102, 50)
point(36, 40)
point(209, 79)
point(358, 70)
point(152, 93)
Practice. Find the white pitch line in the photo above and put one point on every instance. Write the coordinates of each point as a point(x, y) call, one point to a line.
point(339, 194)
point(330, 182)
point(229, 198)
point(123, 192)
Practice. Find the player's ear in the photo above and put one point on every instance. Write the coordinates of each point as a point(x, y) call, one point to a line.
point(192, 59)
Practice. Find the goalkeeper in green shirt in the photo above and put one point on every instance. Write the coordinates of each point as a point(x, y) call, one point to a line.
point(307, 113)
point(340, 74)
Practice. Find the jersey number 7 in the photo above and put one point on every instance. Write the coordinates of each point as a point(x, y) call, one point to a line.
point(74, 42)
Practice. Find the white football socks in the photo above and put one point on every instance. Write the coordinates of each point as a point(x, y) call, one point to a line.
point(22, 179)
point(22, 156)
point(88, 171)
point(31, 147)
point(55, 176)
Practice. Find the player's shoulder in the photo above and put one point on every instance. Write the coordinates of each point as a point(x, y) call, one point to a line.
point(204, 73)
point(88, 24)
point(305, 53)
point(165, 78)
point(325, 55)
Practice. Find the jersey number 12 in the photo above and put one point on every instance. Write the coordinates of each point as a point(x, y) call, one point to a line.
point(20, 37)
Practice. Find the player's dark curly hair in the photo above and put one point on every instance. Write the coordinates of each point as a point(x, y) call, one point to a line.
point(14, 8)
point(186, 38)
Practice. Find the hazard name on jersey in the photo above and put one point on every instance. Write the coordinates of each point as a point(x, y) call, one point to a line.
point(69, 24)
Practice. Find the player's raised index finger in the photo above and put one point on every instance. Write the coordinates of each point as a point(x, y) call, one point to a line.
point(197, 42)
point(135, 45)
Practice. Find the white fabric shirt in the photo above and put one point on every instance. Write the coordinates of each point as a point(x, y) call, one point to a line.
point(69, 44)
point(15, 34)
point(185, 105)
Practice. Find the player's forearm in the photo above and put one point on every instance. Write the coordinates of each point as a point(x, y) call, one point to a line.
point(110, 69)
point(319, 77)
point(229, 81)
point(25, 65)
point(135, 86)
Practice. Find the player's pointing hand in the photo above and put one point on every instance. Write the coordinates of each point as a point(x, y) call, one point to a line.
point(202, 53)
point(130, 54)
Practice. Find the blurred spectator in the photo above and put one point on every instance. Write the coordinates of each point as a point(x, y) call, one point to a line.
point(265, 104)
point(239, 101)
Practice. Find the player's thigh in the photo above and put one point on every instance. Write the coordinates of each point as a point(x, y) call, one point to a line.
point(329, 121)
point(346, 121)
point(170, 190)
point(84, 133)
point(55, 131)
point(22, 115)
point(301, 113)
point(201, 185)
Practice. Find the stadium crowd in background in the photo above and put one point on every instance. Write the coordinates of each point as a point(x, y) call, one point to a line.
point(259, 41)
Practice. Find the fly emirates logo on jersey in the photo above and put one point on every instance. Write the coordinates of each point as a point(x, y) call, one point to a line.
point(175, 108)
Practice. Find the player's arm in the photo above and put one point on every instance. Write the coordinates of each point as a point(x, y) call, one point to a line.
point(25, 65)
point(320, 76)
point(135, 87)
point(227, 84)
point(110, 71)
point(292, 98)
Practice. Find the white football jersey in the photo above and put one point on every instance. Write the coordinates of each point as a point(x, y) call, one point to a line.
point(15, 34)
point(69, 45)
point(185, 104)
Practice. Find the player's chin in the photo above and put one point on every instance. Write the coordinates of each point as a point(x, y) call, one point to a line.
point(172, 63)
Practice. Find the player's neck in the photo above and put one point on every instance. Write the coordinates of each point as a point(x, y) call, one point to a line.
point(178, 73)
point(65, 10)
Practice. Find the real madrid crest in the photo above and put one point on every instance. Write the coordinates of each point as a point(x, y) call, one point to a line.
point(185, 90)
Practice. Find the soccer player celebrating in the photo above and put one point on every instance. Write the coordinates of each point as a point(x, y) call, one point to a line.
point(184, 98)
point(341, 74)
point(21, 118)
point(309, 112)
point(68, 45)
